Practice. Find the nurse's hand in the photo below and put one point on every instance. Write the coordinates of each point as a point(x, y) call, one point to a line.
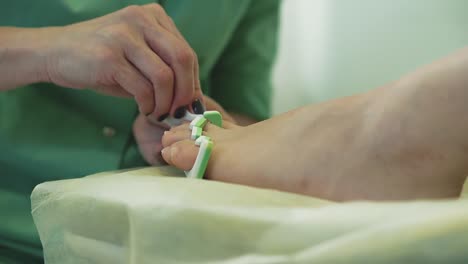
point(136, 51)
point(148, 134)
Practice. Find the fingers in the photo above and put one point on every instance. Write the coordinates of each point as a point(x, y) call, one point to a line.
point(154, 47)
point(197, 107)
point(178, 55)
point(180, 59)
point(198, 94)
point(181, 154)
point(167, 23)
point(132, 81)
point(157, 72)
point(163, 19)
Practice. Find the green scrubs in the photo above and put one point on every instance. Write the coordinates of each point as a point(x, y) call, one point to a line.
point(49, 133)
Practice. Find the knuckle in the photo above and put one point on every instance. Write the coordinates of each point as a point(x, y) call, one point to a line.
point(184, 56)
point(132, 12)
point(119, 32)
point(164, 76)
point(157, 8)
point(137, 15)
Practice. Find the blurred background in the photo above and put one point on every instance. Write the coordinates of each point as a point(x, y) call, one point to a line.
point(332, 48)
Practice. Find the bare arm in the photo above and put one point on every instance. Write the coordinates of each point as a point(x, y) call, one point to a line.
point(22, 56)
point(134, 52)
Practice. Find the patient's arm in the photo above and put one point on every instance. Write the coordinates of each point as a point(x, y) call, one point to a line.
point(406, 140)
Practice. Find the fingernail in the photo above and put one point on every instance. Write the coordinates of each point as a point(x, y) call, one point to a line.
point(161, 118)
point(180, 112)
point(198, 107)
point(166, 150)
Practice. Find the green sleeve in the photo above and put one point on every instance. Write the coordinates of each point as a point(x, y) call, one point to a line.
point(241, 81)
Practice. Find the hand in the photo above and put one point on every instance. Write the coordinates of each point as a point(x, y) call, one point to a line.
point(148, 134)
point(136, 51)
